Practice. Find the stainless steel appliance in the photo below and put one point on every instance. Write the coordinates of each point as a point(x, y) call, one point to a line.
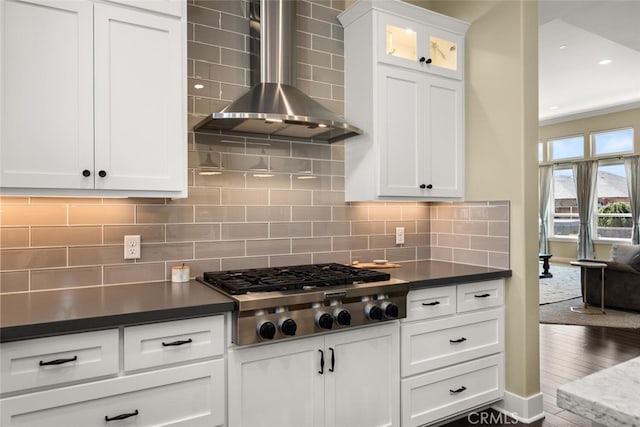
point(274, 106)
point(283, 302)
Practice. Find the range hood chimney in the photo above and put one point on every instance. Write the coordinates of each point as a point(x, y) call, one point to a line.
point(274, 106)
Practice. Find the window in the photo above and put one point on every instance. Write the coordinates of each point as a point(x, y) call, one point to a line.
point(567, 148)
point(613, 211)
point(566, 221)
point(540, 152)
point(612, 142)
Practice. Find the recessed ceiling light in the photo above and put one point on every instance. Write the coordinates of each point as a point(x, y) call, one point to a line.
point(553, 107)
point(605, 62)
point(564, 46)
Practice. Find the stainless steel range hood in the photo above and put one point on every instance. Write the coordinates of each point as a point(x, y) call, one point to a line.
point(274, 106)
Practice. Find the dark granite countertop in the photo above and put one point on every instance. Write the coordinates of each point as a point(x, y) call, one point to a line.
point(424, 274)
point(39, 314)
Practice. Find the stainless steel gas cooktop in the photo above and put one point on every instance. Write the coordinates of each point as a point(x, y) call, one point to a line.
point(285, 302)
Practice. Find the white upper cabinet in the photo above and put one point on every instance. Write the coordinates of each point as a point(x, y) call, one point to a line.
point(406, 92)
point(406, 42)
point(93, 99)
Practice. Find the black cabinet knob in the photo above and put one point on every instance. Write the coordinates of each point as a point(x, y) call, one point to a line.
point(86, 173)
point(429, 186)
point(423, 186)
point(288, 327)
point(423, 59)
point(267, 330)
point(428, 61)
point(343, 318)
point(102, 174)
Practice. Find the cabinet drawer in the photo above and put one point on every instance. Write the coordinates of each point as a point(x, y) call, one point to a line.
point(479, 295)
point(163, 343)
point(56, 360)
point(449, 391)
point(190, 395)
point(436, 343)
point(430, 302)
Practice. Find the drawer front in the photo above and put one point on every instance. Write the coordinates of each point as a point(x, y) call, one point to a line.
point(190, 395)
point(441, 394)
point(479, 295)
point(57, 360)
point(164, 343)
point(430, 302)
point(432, 344)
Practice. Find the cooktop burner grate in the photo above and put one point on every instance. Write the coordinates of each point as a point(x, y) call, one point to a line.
point(237, 282)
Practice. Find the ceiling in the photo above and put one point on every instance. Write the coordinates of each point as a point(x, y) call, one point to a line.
point(571, 82)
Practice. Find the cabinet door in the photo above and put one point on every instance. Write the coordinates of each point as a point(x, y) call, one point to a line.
point(406, 43)
point(362, 380)
point(445, 133)
point(46, 91)
point(400, 125)
point(140, 133)
point(277, 384)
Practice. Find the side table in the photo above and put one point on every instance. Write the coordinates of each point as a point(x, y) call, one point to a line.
point(545, 266)
point(585, 265)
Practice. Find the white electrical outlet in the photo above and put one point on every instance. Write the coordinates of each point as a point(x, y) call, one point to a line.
point(399, 235)
point(131, 247)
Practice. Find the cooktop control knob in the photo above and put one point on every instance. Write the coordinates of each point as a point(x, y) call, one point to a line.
point(391, 310)
point(267, 330)
point(343, 317)
point(324, 320)
point(288, 326)
point(373, 312)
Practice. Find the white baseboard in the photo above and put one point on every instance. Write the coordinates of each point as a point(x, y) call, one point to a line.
point(524, 409)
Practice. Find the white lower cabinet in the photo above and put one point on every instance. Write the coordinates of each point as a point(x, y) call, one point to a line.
point(452, 351)
point(182, 396)
point(85, 379)
point(347, 379)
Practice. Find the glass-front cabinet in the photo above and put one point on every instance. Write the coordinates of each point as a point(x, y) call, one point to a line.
point(418, 46)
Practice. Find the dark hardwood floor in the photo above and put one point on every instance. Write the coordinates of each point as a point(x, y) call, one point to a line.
point(566, 353)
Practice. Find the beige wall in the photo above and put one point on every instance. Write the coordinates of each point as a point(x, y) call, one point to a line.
point(565, 251)
point(501, 130)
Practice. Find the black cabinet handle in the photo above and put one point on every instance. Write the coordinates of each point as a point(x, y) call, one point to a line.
point(460, 390)
point(333, 360)
point(482, 295)
point(102, 174)
point(168, 344)
point(86, 173)
point(121, 416)
point(321, 371)
point(58, 361)
point(459, 340)
point(431, 303)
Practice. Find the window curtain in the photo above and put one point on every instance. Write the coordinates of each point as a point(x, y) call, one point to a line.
point(632, 167)
point(585, 175)
point(545, 175)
